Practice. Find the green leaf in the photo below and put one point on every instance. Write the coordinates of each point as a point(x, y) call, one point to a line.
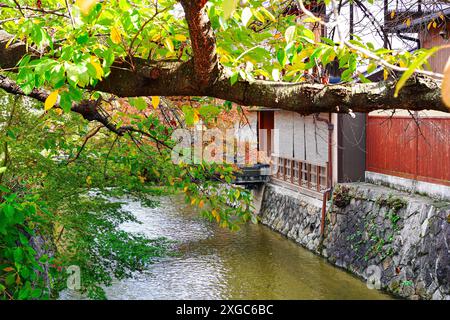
point(371, 68)
point(23, 239)
point(65, 101)
point(43, 258)
point(10, 279)
point(417, 63)
point(139, 103)
point(9, 211)
point(309, 34)
point(4, 189)
point(18, 255)
point(281, 57)
point(83, 39)
point(228, 7)
point(234, 78)
point(2, 169)
point(36, 293)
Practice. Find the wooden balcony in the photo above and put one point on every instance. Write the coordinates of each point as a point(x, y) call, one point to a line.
point(300, 175)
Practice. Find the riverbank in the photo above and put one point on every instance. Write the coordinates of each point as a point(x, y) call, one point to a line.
point(397, 241)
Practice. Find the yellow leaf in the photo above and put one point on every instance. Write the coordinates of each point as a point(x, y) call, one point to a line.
point(408, 22)
point(98, 68)
point(434, 24)
point(156, 37)
point(155, 101)
point(259, 16)
point(180, 37)
point(385, 74)
point(58, 111)
point(169, 44)
point(115, 35)
point(392, 14)
point(185, 189)
point(224, 59)
point(9, 42)
point(85, 5)
point(196, 117)
point(215, 214)
point(446, 85)
point(51, 100)
point(311, 20)
point(89, 180)
point(268, 14)
point(193, 201)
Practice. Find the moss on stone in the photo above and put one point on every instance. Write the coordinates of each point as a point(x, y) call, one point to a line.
point(341, 196)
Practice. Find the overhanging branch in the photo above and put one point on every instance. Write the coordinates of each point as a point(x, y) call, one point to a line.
point(172, 78)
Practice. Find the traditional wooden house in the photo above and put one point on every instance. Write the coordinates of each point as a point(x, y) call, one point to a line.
point(405, 151)
point(309, 154)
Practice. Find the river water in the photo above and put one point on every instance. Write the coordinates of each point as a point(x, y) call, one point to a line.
point(215, 263)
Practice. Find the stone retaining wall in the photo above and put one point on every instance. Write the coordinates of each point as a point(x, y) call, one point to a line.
point(397, 240)
point(293, 215)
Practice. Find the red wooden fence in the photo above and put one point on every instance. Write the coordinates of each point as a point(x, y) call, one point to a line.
point(398, 146)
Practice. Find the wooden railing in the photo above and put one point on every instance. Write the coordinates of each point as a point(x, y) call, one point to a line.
point(300, 173)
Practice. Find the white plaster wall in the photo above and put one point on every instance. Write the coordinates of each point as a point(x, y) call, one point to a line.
point(316, 134)
point(301, 137)
point(249, 131)
point(284, 134)
point(247, 134)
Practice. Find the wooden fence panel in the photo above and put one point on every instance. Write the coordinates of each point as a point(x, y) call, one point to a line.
point(398, 146)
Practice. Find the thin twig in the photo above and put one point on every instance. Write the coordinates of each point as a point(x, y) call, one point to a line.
point(89, 136)
point(107, 156)
point(69, 11)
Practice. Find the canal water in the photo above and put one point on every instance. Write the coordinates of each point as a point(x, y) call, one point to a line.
point(215, 263)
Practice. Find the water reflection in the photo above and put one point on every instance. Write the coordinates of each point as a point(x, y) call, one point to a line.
point(215, 263)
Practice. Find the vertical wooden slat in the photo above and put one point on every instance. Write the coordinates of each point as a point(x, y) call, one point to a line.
point(308, 175)
point(318, 178)
point(292, 171)
point(300, 172)
point(396, 146)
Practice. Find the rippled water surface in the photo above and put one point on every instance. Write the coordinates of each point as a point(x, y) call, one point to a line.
point(215, 263)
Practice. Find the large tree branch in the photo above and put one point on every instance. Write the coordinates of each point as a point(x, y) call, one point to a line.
point(203, 41)
point(168, 78)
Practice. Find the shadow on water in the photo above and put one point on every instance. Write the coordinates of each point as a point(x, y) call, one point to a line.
point(215, 263)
